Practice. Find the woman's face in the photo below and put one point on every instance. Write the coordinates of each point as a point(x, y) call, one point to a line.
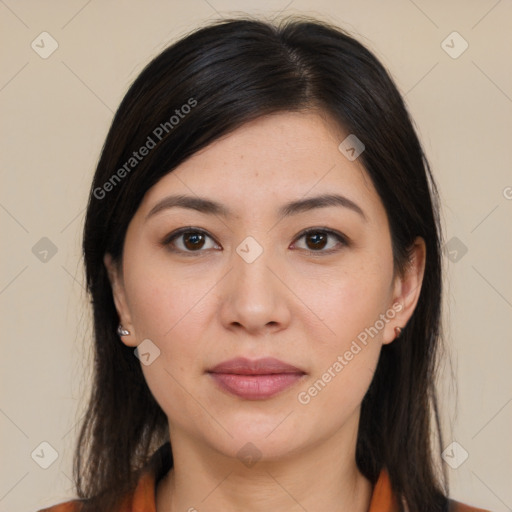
point(245, 281)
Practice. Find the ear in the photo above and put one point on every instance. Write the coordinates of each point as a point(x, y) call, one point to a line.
point(115, 276)
point(406, 290)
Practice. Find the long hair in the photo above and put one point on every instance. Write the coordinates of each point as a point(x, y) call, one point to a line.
point(204, 86)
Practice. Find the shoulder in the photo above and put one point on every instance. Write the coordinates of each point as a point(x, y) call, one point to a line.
point(457, 506)
point(139, 498)
point(67, 506)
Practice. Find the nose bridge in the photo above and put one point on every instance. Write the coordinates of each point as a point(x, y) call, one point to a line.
point(255, 296)
point(252, 275)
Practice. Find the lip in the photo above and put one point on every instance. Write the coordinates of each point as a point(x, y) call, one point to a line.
point(262, 366)
point(257, 379)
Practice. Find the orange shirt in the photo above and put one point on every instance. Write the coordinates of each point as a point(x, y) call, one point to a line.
point(143, 498)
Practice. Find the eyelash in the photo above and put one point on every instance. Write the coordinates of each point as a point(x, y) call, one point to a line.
point(342, 239)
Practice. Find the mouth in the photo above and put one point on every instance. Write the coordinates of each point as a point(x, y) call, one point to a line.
point(258, 379)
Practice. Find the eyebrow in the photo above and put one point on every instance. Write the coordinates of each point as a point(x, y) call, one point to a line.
point(210, 207)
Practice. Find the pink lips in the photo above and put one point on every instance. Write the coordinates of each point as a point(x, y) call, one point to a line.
point(255, 379)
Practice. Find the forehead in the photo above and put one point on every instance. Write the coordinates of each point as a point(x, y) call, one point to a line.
point(273, 159)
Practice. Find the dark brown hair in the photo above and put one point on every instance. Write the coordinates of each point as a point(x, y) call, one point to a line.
point(228, 73)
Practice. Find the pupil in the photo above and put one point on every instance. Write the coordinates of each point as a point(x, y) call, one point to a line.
point(320, 240)
point(195, 237)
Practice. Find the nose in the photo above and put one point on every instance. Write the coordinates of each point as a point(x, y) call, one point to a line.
point(255, 297)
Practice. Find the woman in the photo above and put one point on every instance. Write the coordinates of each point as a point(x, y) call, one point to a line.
point(262, 249)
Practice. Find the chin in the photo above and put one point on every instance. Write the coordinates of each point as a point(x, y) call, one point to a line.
point(266, 439)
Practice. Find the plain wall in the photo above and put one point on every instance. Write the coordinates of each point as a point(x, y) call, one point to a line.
point(55, 113)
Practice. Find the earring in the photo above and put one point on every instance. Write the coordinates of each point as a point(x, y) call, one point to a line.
point(398, 331)
point(121, 331)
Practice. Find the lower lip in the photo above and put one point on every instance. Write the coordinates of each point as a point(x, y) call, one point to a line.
point(256, 387)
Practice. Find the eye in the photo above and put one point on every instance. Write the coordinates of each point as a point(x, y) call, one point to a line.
point(190, 240)
point(317, 239)
point(187, 239)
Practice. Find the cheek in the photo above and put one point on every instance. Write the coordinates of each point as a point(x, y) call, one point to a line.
point(168, 307)
point(351, 304)
point(165, 301)
point(347, 354)
point(351, 301)
point(338, 391)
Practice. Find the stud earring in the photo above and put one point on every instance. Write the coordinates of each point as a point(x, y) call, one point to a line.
point(121, 331)
point(398, 331)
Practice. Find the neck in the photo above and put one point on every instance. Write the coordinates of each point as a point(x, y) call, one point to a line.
point(322, 477)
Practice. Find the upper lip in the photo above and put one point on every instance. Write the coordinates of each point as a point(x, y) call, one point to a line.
point(263, 366)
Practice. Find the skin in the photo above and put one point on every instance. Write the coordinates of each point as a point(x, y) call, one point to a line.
point(299, 301)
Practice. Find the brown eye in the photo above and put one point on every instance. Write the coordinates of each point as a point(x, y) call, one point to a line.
point(316, 240)
point(193, 241)
point(187, 240)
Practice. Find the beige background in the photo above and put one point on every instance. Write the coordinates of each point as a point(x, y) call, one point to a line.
point(55, 114)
